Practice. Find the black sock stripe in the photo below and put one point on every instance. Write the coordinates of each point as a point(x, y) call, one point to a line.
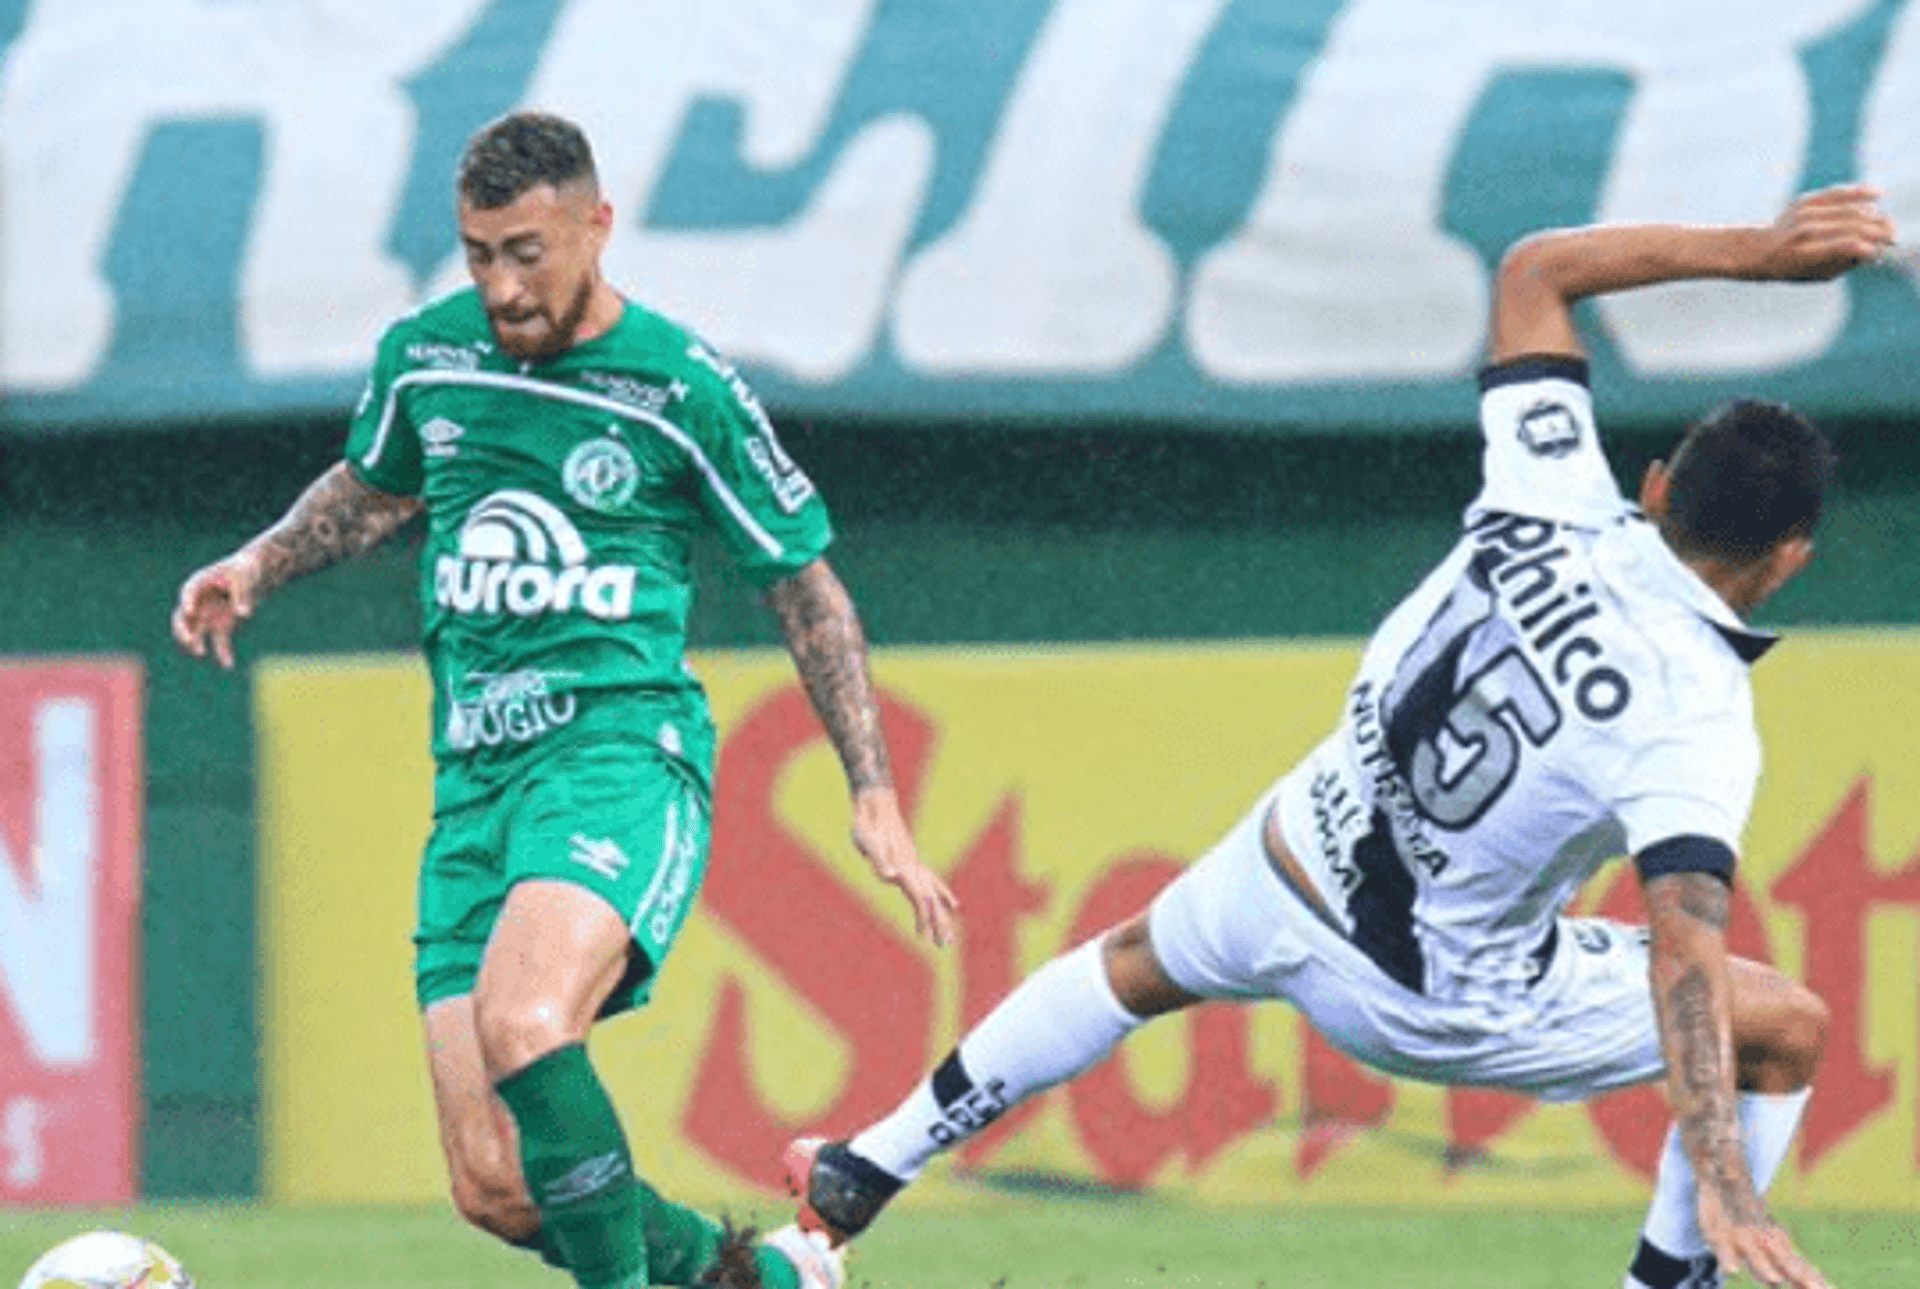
point(1658, 1269)
point(867, 1174)
point(951, 1082)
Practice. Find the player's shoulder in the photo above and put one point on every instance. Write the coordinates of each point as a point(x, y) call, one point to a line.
point(646, 363)
point(650, 346)
point(704, 375)
point(448, 331)
point(1691, 730)
point(1687, 674)
point(699, 361)
point(1699, 644)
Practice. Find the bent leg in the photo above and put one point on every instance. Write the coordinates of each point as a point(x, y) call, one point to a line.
point(1779, 1029)
point(557, 953)
point(1061, 1020)
point(1139, 982)
point(541, 912)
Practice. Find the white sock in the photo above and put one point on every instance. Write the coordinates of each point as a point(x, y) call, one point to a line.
point(1061, 1020)
point(1768, 1121)
point(1767, 1125)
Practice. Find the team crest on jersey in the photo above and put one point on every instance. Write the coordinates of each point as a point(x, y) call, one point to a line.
point(1550, 429)
point(601, 474)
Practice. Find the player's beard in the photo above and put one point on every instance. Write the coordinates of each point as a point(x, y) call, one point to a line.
point(560, 331)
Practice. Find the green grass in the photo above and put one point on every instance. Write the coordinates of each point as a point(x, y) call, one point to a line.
point(1008, 1243)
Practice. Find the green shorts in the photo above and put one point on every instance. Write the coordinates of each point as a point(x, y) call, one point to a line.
point(621, 818)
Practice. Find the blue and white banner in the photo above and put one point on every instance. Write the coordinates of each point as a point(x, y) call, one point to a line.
point(1270, 213)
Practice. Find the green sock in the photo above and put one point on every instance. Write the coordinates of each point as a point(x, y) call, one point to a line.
point(579, 1171)
point(540, 1244)
point(680, 1242)
point(775, 1271)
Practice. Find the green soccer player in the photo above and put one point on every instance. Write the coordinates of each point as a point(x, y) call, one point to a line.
point(565, 445)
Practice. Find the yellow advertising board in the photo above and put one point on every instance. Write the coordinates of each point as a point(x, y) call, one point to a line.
point(1057, 789)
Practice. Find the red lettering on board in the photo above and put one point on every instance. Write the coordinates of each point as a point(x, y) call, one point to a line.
point(822, 939)
point(1224, 1099)
point(1340, 1099)
point(72, 784)
point(1835, 886)
point(1476, 1117)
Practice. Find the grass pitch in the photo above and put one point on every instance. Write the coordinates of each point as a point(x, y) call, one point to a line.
point(1004, 1243)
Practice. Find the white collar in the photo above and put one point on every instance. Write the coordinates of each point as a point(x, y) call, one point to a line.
point(1691, 590)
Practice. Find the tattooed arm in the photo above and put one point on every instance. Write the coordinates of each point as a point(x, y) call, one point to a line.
point(829, 649)
point(337, 516)
point(1693, 1000)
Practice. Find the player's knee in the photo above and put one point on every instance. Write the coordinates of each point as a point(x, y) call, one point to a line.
point(1804, 1033)
point(1785, 1052)
point(1139, 982)
point(516, 1032)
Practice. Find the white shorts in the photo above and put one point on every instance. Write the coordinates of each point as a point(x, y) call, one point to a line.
point(1229, 928)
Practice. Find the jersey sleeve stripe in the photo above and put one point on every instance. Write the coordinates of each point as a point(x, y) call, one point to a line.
point(1531, 367)
point(752, 527)
point(370, 459)
point(1686, 854)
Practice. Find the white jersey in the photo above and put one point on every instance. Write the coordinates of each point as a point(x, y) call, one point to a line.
point(1559, 691)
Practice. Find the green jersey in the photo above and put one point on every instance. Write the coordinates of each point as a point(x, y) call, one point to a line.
point(562, 498)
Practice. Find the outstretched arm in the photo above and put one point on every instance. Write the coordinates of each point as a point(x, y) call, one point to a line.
point(1693, 999)
point(1820, 236)
point(829, 649)
point(337, 516)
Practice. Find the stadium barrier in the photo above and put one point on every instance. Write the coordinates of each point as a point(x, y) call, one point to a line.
point(1056, 788)
point(1278, 215)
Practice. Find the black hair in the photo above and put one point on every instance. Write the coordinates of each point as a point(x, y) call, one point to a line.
point(1749, 475)
point(518, 153)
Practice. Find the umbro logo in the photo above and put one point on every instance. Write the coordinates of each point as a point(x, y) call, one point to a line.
point(602, 855)
point(438, 437)
point(585, 1178)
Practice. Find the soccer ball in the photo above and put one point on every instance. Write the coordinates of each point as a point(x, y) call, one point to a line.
point(107, 1260)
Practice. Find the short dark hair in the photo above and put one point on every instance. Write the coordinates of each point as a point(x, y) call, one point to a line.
point(518, 153)
point(1749, 475)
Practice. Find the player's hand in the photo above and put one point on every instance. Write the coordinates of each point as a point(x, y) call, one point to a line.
point(1751, 1242)
point(214, 601)
point(880, 833)
point(1825, 233)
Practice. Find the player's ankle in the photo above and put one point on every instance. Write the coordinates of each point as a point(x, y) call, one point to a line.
point(1655, 1268)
